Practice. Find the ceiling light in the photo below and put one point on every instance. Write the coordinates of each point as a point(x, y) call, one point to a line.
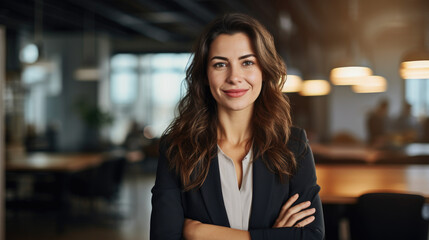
point(293, 83)
point(316, 87)
point(32, 55)
point(356, 65)
point(87, 73)
point(371, 84)
point(349, 75)
point(415, 63)
point(29, 54)
point(418, 69)
point(89, 70)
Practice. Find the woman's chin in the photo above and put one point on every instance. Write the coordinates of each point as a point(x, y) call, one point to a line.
point(236, 107)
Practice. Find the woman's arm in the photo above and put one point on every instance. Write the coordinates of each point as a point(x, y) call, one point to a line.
point(290, 216)
point(194, 230)
point(303, 182)
point(167, 212)
point(288, 224)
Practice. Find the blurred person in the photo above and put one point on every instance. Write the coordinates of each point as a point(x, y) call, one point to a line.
point(378, 124)
point(51, 136)
point(134, 137)
point(406, 125)
point(231, 166)
point(134, 142)
point(31, 140)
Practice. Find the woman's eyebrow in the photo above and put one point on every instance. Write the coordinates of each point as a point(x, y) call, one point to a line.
point(226, 59)
point(246, 56)
point(219, 57)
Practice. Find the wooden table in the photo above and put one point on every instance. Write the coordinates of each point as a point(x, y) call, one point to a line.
point(343, 184)
point(53, 162)
point(59, 166)
point(415, 153)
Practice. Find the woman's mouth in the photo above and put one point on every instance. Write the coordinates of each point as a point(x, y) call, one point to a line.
point(235, 92)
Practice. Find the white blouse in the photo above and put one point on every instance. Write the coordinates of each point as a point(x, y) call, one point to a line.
point(238, 201)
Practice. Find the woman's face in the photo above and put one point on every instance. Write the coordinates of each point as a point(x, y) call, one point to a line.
point(234, 74)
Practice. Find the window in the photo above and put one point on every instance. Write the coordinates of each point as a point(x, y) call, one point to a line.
point(124, 79)
point(417, 94)
point(147, 87)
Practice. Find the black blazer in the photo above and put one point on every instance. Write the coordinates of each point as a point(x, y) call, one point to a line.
point(171, 205)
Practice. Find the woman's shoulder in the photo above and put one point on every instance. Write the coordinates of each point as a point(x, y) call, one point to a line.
point(298, 141)
point(297, 136)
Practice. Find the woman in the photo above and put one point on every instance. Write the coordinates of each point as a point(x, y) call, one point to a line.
point(231, 166)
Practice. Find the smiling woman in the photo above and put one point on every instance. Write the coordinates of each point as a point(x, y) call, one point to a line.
point(231, 165)
point(234, 75)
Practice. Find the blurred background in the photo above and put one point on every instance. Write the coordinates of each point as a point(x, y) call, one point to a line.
point(89, 86)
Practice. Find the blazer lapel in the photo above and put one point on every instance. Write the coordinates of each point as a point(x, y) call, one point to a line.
point(211, 191)
point(263, 182)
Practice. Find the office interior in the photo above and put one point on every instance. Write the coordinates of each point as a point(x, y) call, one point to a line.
point(88, 88)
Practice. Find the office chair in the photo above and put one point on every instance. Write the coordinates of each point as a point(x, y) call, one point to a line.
point(388, 216)
point(102, 182)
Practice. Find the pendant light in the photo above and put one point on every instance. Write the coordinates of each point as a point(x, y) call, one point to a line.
point(415, 64)
point(32, 55)
point(414, 69)
point(293, 81)
point(89, 70)
point(370, 84)
point(350, 74)
point(315, 87)
point(355, 67)
point(315, 83)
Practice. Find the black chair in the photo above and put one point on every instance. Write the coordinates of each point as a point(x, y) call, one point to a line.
point(103, 182)
point(388, 216)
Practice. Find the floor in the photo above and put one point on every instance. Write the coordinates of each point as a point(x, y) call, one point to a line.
point(126, 219)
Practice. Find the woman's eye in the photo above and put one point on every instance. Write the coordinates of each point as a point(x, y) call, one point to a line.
point(248, 63)
point(219, 65)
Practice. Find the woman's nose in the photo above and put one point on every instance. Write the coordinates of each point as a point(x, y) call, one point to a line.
point(235, 74)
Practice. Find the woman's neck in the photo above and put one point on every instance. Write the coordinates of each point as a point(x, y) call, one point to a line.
point(235, 127)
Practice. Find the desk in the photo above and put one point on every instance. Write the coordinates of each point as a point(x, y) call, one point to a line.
point(49, 162)
point(343, 184)
point(60, 166)
point(415, 153)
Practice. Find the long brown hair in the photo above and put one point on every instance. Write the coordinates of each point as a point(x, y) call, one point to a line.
point(191, 139)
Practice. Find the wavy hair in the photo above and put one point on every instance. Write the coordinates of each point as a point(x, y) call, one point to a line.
point(191, 139)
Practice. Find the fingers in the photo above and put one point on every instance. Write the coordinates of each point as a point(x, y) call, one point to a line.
point(284, 209)
point(290, 216)
point(285, 217)
point(295, 214)
point(305, 222)
point(294, 218)
point(288, 203)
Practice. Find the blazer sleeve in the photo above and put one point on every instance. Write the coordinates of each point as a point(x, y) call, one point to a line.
point(304, 182)
point(167, 212)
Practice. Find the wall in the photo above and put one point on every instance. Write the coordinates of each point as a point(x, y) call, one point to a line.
point(61, 106)
point(348, 110)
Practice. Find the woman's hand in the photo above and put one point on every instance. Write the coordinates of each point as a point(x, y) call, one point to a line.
point(296, 216)
point(193, 229)
point(189, 228)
